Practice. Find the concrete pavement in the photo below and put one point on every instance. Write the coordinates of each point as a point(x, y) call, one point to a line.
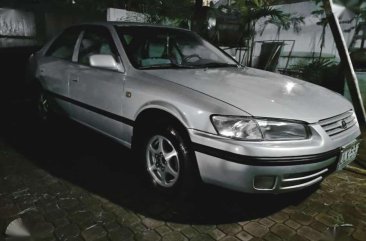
point(72, 184)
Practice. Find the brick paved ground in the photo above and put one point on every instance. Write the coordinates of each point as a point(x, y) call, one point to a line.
point(68, 183)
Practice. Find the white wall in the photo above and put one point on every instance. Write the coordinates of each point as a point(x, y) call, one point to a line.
point(17, 28)
point(114, 14)
point(309, 39)
point(17, 23)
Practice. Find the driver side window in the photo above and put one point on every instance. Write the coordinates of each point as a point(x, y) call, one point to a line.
point(96, 41)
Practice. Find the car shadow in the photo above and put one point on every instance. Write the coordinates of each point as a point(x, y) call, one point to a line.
point(97, 164)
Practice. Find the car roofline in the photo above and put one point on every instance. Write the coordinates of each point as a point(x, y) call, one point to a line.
point(128, 24)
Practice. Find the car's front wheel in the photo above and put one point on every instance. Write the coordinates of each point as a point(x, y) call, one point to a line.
point(168, 161)
point(162, 161)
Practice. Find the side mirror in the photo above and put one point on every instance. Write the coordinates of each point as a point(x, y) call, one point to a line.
point(104, 61)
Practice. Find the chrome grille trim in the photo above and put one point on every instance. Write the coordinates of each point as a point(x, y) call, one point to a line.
point(305, 177)
point(333, 125)
point(299, 180)
point(336, 118)
point(306, 184)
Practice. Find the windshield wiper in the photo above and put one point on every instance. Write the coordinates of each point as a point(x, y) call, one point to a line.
point(177, 66)
point(167, 66)
point(217, 65)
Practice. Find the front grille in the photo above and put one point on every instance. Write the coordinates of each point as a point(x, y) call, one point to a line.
point(304, 179)
point(339, 123)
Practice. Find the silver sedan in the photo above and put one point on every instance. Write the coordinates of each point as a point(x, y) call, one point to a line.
point(191, 112)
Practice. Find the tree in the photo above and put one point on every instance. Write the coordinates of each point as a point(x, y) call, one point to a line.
point(323, 22)
point(358, 7)
point(158, 9)
point(285, 22)
point(253, 10)
point(346, 63)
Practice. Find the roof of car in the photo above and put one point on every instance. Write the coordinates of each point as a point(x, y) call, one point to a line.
point(131, 24)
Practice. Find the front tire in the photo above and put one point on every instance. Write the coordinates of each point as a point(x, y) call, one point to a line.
point(169, 163)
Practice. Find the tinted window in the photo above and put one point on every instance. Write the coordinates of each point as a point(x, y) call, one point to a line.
point(63, 47)
point(96, 41)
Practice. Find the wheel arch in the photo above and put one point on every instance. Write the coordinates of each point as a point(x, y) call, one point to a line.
point(155, 116)
point(144, 122)
point(163, 107)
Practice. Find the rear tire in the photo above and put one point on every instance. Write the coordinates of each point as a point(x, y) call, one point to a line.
point(41, 106)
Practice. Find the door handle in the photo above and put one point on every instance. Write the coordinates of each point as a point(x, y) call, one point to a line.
point(73, 77)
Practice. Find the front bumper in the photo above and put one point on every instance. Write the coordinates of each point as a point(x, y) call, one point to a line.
point(287, 166)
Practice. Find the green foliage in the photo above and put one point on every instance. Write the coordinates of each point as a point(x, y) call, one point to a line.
point(323, 22)
point(87, 7)
point(319, 71)
point(252, 11)
point(356, 6)
point(285, 21)
point(157, 9)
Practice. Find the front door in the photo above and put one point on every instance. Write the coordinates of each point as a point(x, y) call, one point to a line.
point(97, 93)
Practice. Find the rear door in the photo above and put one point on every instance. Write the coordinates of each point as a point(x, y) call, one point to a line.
point(55, 68)
point(96, 92)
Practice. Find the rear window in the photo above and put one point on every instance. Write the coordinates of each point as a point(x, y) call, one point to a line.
point(63, 46)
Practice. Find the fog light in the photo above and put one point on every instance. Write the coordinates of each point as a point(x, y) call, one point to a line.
point(264, 182)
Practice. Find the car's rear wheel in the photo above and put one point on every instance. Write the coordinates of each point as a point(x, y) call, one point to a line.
point(43, 106)
point(169, 163)
point(40, 105)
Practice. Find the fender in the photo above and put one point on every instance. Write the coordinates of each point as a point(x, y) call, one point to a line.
point(167, 107)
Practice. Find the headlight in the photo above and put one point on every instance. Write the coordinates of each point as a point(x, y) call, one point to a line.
point(258, 129)
point(237, 127)
point(211, 22)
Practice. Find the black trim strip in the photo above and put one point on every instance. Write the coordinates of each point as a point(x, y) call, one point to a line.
point(265, 161)
point(94, 109)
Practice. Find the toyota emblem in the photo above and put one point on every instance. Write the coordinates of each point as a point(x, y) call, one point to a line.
point(344, 124)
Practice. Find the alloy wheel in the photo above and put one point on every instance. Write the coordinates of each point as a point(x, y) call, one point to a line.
point(163, 162)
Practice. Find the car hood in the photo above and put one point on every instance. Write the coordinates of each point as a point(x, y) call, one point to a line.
point(261, 93)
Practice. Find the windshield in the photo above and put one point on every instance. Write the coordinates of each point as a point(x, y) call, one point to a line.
point(158, 47)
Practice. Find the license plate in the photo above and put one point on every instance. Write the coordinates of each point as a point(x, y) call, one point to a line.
point(348, 154)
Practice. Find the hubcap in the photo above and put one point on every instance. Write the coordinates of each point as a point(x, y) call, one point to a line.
point(162, 161)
